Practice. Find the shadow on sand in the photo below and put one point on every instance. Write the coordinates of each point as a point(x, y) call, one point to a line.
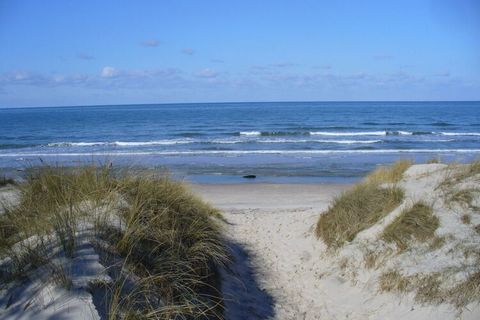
point(244, 299)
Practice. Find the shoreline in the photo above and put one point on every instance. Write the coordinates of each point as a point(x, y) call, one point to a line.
point(269, 195)
point(288, 273)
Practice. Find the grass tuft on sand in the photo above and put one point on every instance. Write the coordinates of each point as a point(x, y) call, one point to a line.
point(362, 206)
point(355, 210)
point(166, 242)
point(389, 174)
point(417, 222)
point(4, 181)
point(457, 174)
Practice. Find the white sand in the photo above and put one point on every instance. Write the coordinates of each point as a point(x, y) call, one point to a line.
point(283, 271)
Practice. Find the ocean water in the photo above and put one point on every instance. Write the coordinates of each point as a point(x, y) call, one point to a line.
point(282, 142)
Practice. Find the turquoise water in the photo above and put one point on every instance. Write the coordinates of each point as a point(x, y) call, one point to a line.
point(287, 141)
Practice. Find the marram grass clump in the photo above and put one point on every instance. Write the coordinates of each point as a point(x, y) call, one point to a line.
point(417, 222)
point(389, 174)
point(5, 181)
point(355, 210)
point(166, 241)
point(174, 244)
point(362, 206)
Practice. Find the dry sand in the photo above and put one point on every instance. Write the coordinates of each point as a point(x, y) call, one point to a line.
point(282, 271)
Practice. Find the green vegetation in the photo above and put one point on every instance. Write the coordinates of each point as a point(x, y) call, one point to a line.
point(467, 291)
point(355, 210)
point(165, 242)
point(390, 174)
point(393, 281)
point(463, 197)
point(417, 222)
point(457, 174)
point(362, 206)
point(428, 288)
point(466, 219)
point(434, 160)
point(4, 181)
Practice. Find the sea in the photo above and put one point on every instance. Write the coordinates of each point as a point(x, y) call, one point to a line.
point(278, 142)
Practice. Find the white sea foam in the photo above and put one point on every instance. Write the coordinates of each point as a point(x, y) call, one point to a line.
point(120, 143)
point(229, 141)
point(318, 141)
point(239, 152)
point(75, 144)
point(250, 133)
point(404, 133)
point(346, 134)
point(460, 133)
point(436, 140)
point(153, 143)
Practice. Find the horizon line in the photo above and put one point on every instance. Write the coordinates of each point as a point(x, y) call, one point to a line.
point(228, 102)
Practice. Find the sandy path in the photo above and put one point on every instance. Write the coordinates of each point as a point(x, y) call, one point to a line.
point(280, 268)
point(274, 224)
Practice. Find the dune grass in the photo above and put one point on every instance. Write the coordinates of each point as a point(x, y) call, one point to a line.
point(4, 181)
point(467, 291)
point(355, 210)
point(362, 206)
point(428, 288)
point(434, 160)
point(458, 173)
point(174, 246)
point(168, 241)
point(417, 222)
point(389, 174)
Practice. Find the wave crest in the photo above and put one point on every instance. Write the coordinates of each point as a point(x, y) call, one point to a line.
point(120, 143)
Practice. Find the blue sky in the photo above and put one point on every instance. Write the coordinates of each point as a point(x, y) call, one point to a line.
point(120, 52)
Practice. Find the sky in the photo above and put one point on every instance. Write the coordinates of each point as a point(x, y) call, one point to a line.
point(94, 52)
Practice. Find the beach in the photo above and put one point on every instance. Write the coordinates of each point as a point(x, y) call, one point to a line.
point(241, 160)
point(266, 251)
point(273, 225)
point(283, 271)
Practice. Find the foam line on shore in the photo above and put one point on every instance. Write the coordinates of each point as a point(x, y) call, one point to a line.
point(240, 152)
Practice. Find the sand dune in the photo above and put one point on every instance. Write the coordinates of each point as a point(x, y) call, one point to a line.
point(288, 267)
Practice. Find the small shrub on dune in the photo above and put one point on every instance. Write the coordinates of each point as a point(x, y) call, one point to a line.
point(417, 222)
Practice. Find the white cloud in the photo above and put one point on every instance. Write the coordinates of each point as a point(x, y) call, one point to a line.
point(21, 75)
point(207, 73)
point(109, 72)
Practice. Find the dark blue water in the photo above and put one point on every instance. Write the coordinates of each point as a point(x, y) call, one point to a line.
point(219, 142)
